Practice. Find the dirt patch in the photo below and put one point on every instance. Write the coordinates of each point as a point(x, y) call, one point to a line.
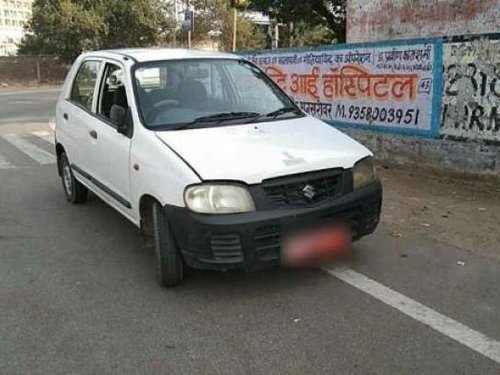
point(461, 211)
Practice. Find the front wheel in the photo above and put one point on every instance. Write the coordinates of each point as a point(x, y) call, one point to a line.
point(75, 192)
point(168, 257)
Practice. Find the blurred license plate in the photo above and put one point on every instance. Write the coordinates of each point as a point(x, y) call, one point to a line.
point(315, 246)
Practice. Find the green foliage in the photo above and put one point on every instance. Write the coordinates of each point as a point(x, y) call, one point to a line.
point(301, 34)
point(330, 14)
point(217, 15)
point(65, 28)
point(135, 23)
point(249, 36)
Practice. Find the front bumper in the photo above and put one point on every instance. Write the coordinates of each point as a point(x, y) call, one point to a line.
point(253, 240)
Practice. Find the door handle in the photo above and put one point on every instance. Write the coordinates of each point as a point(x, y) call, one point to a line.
point(65, 116)
point(93, 134)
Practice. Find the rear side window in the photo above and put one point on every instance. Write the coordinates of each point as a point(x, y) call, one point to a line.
point(83, 89)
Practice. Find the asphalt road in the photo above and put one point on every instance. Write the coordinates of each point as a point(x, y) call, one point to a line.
point(27, 106)
point(78, 295)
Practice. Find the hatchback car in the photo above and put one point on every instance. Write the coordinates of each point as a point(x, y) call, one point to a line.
point(204, 153)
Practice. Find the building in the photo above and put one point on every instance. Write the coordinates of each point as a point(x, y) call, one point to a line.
point(13, 16)
point(375, 20)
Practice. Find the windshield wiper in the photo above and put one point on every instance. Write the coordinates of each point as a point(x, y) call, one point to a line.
point(275, 114)
point(218, 117)
point(282, 111)
point(226, 116)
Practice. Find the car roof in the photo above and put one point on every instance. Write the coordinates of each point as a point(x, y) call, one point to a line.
point(157, 54)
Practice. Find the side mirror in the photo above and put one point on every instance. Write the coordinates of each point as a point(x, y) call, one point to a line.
point(122, 119)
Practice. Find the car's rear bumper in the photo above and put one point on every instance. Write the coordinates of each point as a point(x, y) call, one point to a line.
point(253, 240)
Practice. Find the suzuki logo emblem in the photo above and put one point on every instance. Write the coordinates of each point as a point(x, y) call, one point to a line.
point(309, 192)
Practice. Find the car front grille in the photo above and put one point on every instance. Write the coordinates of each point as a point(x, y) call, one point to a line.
point(304, 189)
point(267, 241)
point(226, 247)
point(352, 217)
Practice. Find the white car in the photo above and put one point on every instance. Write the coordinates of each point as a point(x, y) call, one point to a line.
point(208, 157)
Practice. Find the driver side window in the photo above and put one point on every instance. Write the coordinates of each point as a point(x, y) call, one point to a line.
point(113, 96)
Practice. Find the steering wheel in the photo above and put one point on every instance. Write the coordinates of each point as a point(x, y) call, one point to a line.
point(158, 108)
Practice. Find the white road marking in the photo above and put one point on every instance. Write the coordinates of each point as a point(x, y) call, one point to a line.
point(4, 164)
point(457, 331)
point(45, 135)
point(52, 123)
point(34, 152)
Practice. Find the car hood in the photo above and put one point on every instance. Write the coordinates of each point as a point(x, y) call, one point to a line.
point(253, 152)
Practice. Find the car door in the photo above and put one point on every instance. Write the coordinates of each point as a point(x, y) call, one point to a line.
point(77, 113)
point(109, 151)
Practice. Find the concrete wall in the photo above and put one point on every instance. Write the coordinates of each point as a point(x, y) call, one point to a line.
point(25, 70)
point(465, 85)
point(469, 133)
point(375, 20)
point(477, 158)
point(471, 92)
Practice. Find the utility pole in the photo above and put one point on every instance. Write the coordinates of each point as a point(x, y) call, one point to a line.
point(235, 4)
point(176, 13)
point(188, 9)
point(276, 36)
point(235, 28)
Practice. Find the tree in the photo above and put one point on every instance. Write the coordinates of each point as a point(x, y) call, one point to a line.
point(217, 15)
point(328, 13)
point(65, 28)
point(302, 34)
point(136, 23)
point(248, 36)
point(61, 28)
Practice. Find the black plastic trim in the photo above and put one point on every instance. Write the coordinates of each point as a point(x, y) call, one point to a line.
point(102, 187)
point(262, 200)
point(194, 232)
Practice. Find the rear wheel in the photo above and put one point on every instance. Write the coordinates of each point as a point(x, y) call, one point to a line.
point(168, 256)
point(75, 192)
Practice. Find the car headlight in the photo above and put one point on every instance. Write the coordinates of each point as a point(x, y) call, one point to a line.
point(218, 199)
point(363, 173)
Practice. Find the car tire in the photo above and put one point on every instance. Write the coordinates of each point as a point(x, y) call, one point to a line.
point(75, 192)
point(168, 256)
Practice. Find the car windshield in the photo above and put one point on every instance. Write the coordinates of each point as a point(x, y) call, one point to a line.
point(183, 94)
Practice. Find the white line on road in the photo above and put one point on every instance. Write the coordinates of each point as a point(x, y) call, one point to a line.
point(457, 331)
point(4, 164)
point(52, 124)
point(45, 135)
point(36, 153)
